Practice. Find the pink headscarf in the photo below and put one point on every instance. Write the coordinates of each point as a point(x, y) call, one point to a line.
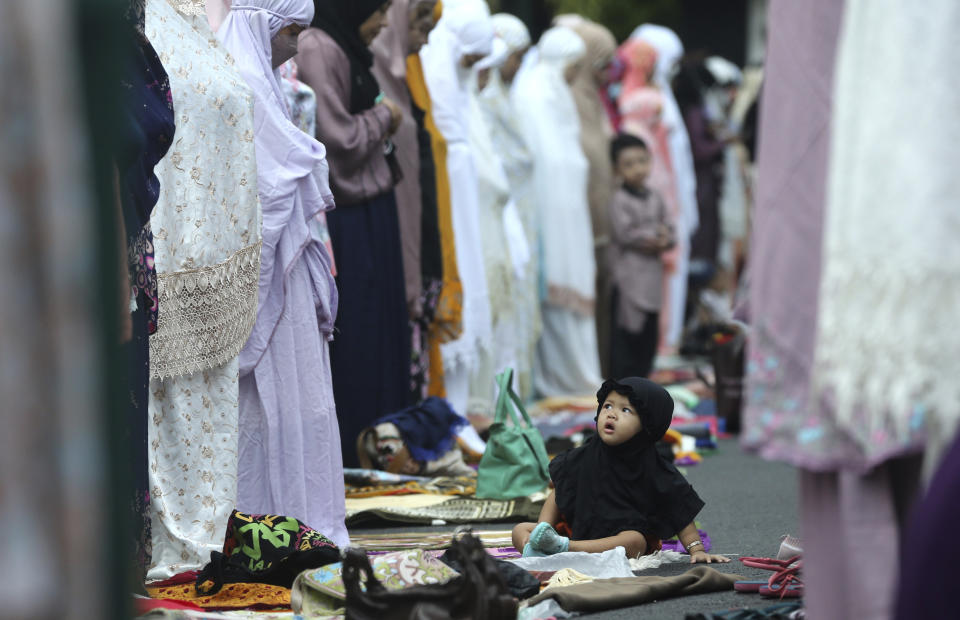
point(639, 58)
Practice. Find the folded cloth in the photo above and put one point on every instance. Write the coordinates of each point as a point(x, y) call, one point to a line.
point(567, 577)
point(619, 592)
point(612, 563)
point(656, 559)
point(189, 576)
point(429, 430)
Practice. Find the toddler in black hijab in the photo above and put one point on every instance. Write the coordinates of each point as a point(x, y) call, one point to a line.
point(617, 490)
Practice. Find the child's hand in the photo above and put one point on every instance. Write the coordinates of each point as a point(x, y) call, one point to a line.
point(702, 557)
point(664, 238)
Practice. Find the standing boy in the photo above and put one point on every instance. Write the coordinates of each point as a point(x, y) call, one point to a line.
point(640, 232)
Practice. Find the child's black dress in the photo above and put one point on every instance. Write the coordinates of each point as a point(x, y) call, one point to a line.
point(603, 490)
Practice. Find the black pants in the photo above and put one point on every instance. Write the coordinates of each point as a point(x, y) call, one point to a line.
point(632, 353)
point(370, 353)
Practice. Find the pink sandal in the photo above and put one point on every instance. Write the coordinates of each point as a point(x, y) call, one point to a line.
point(770, 563)
point(784, 583)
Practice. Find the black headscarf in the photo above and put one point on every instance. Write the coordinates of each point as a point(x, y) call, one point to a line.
point(341, 19)
point(603, 490)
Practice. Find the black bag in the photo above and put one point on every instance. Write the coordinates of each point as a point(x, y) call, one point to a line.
point(521, 583)
point(479, 593)
point(727, 353)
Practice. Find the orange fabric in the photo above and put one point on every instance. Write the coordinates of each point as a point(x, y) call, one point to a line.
point(447, 325)
point(672, 436)
point(435, 385)
point(232, 596)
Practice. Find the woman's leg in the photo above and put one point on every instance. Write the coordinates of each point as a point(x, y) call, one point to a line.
point(632, 541)
point(647, 342)
point(521, 535)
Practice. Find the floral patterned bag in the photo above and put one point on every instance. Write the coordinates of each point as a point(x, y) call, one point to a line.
point(268, 549)
point(322, 591)
point(478, 592)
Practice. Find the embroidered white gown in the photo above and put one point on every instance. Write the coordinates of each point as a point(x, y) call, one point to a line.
point(463, 29)
point(207, 249)
point(508, 141)
point(567, 357)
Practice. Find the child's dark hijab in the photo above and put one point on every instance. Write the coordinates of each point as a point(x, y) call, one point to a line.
point(603, 490)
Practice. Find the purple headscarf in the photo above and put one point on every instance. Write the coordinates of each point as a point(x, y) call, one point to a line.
point(292, 170)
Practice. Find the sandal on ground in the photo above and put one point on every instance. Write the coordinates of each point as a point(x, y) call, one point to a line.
point(784, 583)
point(782, 592)
point(769, 563)
point(750, 586)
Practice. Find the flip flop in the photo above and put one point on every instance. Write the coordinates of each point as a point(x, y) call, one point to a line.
point(785, 584)
point(769, 563)
point(750, 586)
point(782, 592)
point(786, 577)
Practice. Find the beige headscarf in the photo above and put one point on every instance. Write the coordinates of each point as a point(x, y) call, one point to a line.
point(595, 135)
point(390, 50)
point(595, 129)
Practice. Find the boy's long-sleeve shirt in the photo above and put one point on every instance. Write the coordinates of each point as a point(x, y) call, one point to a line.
point(638, 221)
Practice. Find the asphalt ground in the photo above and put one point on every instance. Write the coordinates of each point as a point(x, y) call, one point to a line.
point(750, 505)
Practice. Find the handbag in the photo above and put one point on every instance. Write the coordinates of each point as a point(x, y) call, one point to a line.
point(728, 357)
point(515, 462)
point(268, 549)
point(478, 593)
point(322, 592)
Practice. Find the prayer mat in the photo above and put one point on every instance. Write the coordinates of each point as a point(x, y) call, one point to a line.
point(168, 614)
point(189, 576)
point(248, 596)
point(555, 404)
point(494, 540)
point(498, 544)
point(142, 605)
point(457, 510)
point(372, 483)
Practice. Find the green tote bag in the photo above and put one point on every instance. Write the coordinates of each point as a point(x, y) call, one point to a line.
point(515, 461)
